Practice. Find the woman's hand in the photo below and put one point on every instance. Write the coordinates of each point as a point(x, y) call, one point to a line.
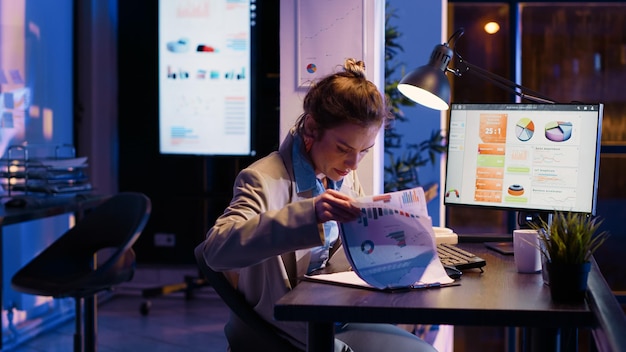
point(333, 205)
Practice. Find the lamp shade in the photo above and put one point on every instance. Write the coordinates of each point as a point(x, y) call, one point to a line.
point(428, 85)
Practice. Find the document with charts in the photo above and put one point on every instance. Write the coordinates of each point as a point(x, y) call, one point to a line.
point(392, 245)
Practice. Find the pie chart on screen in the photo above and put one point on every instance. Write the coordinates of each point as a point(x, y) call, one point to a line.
point(524, 129)
point(558, 131)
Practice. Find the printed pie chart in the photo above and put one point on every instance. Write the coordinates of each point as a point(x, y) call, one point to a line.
point(558, 131)
point(524, 129)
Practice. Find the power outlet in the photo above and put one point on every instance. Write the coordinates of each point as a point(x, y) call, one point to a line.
point(164, 239)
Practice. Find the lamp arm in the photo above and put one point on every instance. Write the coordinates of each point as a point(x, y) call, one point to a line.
point(499, 81)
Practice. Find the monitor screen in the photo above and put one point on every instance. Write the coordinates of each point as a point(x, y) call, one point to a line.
point(206, 71)
point(526, 157)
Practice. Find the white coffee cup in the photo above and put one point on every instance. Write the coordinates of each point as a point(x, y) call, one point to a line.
point(526, 251)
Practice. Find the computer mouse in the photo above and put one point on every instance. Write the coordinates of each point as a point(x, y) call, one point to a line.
point(453, 272)
point(16, 202)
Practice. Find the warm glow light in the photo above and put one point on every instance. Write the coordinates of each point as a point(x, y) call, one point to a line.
point(492, 27)
point(48, 125)
point(423, 97)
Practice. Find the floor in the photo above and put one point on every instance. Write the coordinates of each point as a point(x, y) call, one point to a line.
point(175, 323)
point(172, 324)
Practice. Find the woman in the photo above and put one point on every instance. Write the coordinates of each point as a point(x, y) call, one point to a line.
point(282, 220)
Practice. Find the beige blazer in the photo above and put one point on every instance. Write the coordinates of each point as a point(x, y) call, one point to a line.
point(265, 233)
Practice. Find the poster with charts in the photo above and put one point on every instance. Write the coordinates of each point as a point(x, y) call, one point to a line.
point(392, 244)
point(326, 38)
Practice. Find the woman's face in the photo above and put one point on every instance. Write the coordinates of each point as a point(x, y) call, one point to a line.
point(341, 149)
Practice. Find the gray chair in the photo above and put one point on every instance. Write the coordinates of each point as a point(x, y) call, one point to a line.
point(253, 333)
point(66, 267)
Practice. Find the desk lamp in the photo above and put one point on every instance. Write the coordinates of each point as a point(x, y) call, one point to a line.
point(428, 85)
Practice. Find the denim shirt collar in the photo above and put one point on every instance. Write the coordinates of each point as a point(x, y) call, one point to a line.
point(303, 171)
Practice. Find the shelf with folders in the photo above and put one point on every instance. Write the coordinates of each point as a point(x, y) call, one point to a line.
point(43, 170)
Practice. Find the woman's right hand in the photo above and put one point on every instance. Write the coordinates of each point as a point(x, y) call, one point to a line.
point(333, 205)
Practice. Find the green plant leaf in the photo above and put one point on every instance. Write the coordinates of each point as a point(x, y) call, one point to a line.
point(570, 238)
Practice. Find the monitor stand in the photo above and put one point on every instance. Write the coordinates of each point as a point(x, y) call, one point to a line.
point(499, 242)
point(505, 248)
point(524, 221)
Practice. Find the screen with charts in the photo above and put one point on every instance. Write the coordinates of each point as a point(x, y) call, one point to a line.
point(527, 157)
point(206, 73)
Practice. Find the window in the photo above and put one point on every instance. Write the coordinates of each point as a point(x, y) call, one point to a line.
point(568, 51)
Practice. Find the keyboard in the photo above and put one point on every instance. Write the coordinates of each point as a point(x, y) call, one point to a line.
point(451, 255)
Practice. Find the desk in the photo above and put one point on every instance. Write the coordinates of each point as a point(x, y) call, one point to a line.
point(43, 208)
point(498, 297)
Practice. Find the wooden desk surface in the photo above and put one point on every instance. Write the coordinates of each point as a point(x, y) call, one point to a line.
point(499, 296)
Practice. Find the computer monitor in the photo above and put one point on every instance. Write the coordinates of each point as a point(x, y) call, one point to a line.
point(524, 157)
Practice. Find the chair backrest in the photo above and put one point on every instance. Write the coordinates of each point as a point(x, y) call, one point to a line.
point(260, 332)
point(116, 223)
point(66, 267)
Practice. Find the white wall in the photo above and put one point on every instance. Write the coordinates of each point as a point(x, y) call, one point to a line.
point(291, 97)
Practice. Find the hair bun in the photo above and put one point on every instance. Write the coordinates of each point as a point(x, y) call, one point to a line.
point(355, 67)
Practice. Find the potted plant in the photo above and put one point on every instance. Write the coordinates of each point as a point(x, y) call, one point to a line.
point(567, 243)
point(402, 171)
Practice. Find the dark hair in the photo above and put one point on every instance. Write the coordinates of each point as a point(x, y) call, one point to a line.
point(345, 97)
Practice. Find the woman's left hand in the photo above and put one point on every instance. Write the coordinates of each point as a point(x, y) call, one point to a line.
point(333, 205)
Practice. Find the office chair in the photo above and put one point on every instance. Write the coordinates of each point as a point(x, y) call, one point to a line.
point(66, 267)
point(260, 334)
point(188, 286)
